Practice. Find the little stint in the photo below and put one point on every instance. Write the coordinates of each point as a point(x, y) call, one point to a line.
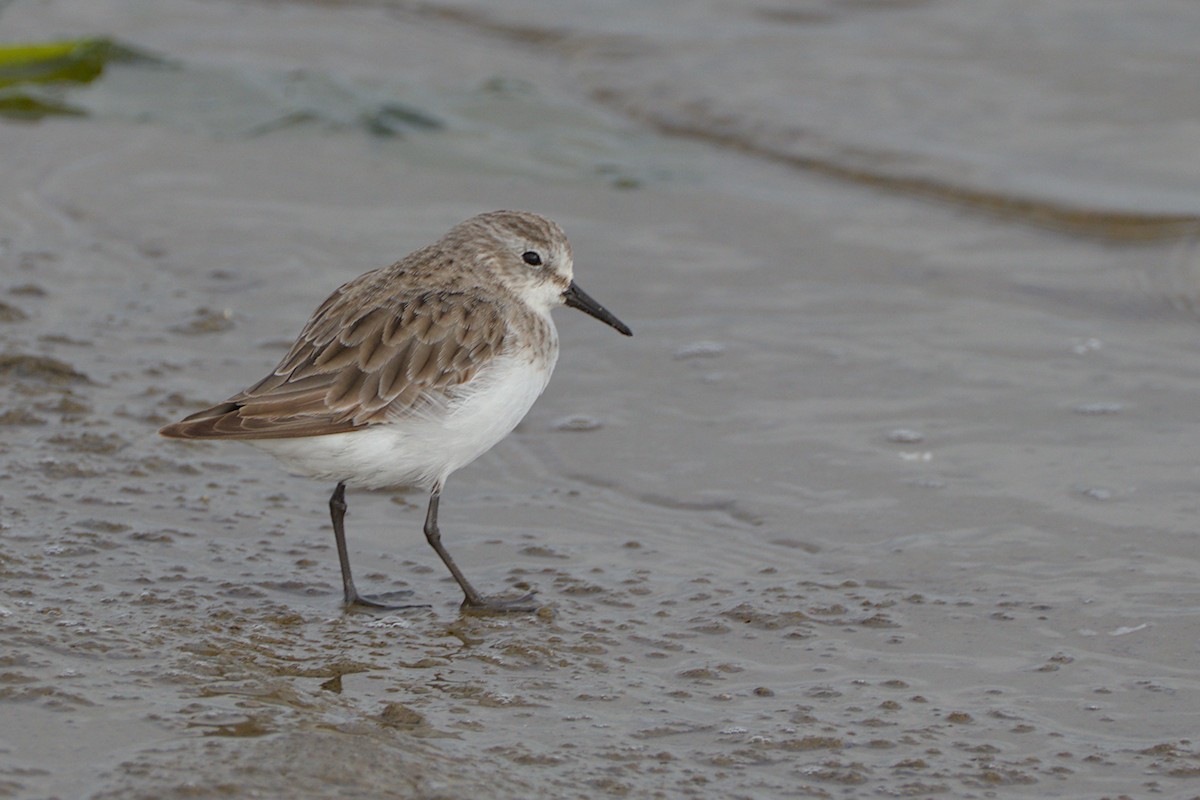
point(409, 372)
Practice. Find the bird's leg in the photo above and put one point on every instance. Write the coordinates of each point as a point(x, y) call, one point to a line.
point(474, 601)
point(337, 511)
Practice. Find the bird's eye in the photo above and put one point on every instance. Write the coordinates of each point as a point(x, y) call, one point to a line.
point(532, 258)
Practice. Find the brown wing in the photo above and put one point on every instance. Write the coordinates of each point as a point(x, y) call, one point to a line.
point(361, 359)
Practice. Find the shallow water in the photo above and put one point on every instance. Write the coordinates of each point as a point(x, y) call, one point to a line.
point(883, 497)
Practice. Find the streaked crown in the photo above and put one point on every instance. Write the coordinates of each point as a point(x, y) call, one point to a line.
point(528, 254)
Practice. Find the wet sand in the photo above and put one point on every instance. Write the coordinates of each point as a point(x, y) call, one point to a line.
point(884, 497)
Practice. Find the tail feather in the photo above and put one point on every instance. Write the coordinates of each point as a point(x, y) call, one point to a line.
point(227, 421)
point(201, 425)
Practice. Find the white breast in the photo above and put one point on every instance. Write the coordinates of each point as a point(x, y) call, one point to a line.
point(421, 450)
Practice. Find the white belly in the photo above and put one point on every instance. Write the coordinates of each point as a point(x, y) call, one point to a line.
point(422, 450)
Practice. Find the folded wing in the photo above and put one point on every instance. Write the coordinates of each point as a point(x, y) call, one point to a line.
point(359, 363)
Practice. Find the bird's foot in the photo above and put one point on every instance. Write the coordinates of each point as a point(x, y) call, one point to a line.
point(385, 600)
point(500, 605)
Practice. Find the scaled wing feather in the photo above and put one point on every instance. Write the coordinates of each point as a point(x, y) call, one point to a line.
point(354, 365)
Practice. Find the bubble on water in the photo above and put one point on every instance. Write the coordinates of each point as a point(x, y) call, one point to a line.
point(905, 436)
point(1098, 408)
point(577, 423)
point(700, 349)
point(928, 482)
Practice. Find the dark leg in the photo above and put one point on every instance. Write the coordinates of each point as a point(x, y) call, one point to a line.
point(474, 600)
point(337, 511)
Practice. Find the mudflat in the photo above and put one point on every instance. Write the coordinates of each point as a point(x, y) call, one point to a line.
point(890, 493)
